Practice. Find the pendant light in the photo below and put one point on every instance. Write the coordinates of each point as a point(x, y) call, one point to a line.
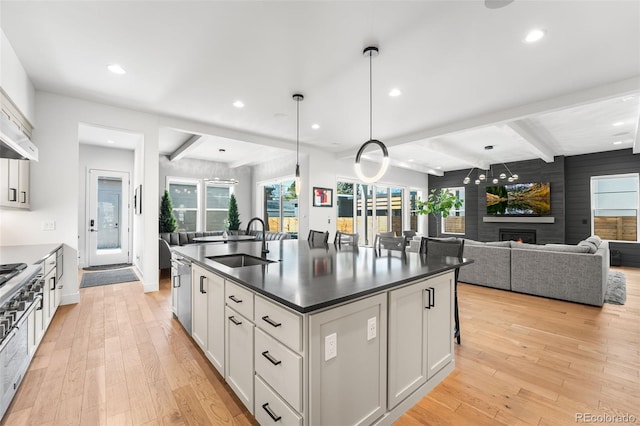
point(371, 51)
point(298, 98)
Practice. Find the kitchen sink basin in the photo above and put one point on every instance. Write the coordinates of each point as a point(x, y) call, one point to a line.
point(239, 260)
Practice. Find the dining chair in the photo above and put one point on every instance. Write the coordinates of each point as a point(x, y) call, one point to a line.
point(345, 238)
point(390, 243)
point(318, 237)
point(452, 248)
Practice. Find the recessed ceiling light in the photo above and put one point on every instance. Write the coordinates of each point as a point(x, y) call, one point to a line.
point(110, 141)
point(116, 69)
point(411, 160)
point(618, 143)
point(534, 35)
point(395, 92)
point(315, 126)
point(238, 104)
point(438, 167)
point(618, 123)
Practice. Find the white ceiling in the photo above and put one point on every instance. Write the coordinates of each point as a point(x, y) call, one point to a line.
point(467, 79)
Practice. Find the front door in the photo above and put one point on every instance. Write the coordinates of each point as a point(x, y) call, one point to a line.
point(108, 218)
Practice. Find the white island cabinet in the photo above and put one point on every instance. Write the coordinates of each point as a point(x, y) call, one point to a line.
point(360, 362)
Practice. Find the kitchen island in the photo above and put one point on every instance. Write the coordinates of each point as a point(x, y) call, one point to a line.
point(323, 335)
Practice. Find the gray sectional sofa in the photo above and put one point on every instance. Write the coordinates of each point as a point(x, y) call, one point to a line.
point(566, 272)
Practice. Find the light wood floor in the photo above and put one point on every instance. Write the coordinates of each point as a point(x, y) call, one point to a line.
point(119, 358)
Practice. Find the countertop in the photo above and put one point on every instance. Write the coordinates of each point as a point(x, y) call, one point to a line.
point(307, 278)
point(28, 254)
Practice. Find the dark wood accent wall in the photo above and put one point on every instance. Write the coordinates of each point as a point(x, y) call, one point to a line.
point(578, 172)
point(476, 205)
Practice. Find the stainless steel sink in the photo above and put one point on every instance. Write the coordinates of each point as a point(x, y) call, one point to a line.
point(239, 260)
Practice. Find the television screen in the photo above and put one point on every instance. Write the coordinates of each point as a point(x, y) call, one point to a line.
point(519, 199)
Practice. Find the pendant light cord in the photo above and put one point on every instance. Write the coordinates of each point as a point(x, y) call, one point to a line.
point(297, 131)
point(370, 96)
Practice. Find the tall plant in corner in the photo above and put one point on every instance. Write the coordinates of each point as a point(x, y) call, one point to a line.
point(233, 217)
point(168, 221)
point(438, 204)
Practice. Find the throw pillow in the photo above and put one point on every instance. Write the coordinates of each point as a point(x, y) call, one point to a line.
point(595, 240)
point(592, 247)
point(565, 248)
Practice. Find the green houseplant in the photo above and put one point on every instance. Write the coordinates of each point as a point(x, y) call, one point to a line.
point(233, 217)
point(438, 204)
point(168, 221)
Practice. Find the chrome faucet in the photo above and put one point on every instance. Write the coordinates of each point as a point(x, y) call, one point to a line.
point(264, 236)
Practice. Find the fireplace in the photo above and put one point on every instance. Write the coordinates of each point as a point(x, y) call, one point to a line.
point(520, 235)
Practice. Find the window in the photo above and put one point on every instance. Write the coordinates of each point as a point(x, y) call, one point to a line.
point(614, 207)
point(217, 207)
point(454, 223)
point(369, 209)
point(185, 200)
point(281, 207)
point(413, 210)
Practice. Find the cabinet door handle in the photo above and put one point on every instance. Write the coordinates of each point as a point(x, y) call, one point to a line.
point(432, 297)
point(176, 281)
point(53, 281)
point(202, 277)
point(234, 320)
point(271, 414)
point(271, 359)
point(235, 299)
point(24, 197)
point(428, 292)
point(270, 321)
point(13, 194)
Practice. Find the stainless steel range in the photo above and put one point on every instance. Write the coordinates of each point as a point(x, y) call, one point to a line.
point(21, 295)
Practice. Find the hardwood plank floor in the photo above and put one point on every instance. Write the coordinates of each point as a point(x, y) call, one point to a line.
point(118, 357)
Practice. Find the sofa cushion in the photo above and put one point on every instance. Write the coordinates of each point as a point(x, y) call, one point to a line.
point(525, 246)
point(590, 245)
point(183, 239)
point(488, 243)
point(565, 248)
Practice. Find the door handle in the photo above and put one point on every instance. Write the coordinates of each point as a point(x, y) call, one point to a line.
point(24, 197)
point(270, 321)
point(53, 281)
point(176, 280)
point(13, 194)
point(93, 230)
point(271, 359)
point(202, 277)
point(428, 293)
point(235, 299)
point(432, 297)
point(234, 320)
point(271, 414)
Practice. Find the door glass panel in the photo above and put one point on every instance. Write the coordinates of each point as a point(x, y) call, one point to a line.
point(345, 207)
point(396, 210)
point(109, 210)
point(289, 209)
point(382, 210)
point(272, 206)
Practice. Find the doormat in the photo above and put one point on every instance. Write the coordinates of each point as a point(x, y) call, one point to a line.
point(616, 288)
point(106, 267)
point(108, 277)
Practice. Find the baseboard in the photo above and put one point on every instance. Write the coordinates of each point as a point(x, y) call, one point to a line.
point(70, 299)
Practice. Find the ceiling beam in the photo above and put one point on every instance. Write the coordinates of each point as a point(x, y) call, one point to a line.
point(440, 146)
point(574, 99)
point(538, 140)
point(191, 143)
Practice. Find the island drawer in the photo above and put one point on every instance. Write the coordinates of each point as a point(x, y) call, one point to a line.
point(280, 323)
point(49, 264)
point(280, 367)
point(239, 298)
point(270, 409)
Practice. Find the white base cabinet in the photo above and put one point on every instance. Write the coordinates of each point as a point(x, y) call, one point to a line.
point(363, 362)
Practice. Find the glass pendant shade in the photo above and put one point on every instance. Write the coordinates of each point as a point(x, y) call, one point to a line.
point(503, 176)
point(477, 181)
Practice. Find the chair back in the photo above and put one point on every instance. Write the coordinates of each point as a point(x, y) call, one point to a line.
point(390, 242)
point(318, 237)
point(409, 234)
point(346, 239)
point(436, 247)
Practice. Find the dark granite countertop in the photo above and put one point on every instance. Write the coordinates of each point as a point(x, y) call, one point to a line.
point(307, 278)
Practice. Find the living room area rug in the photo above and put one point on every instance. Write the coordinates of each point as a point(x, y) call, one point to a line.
point(616, 288)
point(94, 279)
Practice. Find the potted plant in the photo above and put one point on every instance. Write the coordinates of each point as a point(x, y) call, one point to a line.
point(168, 221)
point(233, 217)
point(438, 204)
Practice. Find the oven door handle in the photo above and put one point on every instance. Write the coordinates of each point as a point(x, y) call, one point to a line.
point(8, 339)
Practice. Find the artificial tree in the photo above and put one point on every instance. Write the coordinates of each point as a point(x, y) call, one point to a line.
point(233, 217)
point(439, 204)
point(168, 221)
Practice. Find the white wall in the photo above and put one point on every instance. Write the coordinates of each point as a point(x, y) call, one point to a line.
point(14, 80)
point(54, 183)
point(200, 169)
point(95, 157)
